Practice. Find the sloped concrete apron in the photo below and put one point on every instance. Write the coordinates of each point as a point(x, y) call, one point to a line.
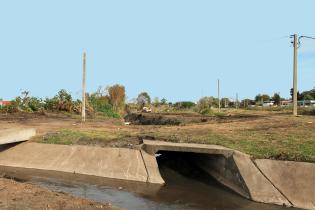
point(14, 135)
point(259, 187)
point(296, 180)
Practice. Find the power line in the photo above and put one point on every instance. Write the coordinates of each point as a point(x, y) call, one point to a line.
point(299, 39)
point(308, 37)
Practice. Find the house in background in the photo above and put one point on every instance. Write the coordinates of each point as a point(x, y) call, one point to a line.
point(268, 103)
point(4, 103)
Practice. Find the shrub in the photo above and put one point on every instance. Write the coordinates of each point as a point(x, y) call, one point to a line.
point(206, 111)
point(184, 105)
point(117, 96)
point(62, 102)
point(10, 108)
point(101, 104)
point(205, 103)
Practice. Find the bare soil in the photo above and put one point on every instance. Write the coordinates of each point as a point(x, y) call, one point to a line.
point(185, 118)
point(19, 196)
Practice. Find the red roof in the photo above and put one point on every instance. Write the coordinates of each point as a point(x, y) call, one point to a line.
point(6, 102)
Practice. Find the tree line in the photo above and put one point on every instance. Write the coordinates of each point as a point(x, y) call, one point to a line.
point(111, 102)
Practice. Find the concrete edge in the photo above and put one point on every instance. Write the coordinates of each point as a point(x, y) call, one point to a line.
point(259, 187)
point(153, 147)
point(16, 135)
point(152, 168)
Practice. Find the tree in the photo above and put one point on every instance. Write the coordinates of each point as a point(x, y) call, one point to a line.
point(156, 102)
point(299, 96)
point(63, 95)
point(225, 102)
point(184, 104)
point(261, 98)
point(204, 105)
point(205, 102)
point(163, 101)
point(117, 96)
point(143, 99)
point(276, 98)
point(308, 95)
point(246, 102)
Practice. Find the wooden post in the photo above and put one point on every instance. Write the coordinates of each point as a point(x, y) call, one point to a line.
point(294, 98)
point(83, 87)
point(219, 95)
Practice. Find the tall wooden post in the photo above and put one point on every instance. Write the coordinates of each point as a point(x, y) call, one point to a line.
point(83, 87)
point(219, 95)
point(294, 97)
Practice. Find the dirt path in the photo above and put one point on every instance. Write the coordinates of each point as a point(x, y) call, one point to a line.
point(20, 196)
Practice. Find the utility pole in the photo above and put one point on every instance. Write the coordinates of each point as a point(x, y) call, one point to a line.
point(236, 103)
point(296, 45)
point(219, 95)
point(83, 86)
point(294, 97)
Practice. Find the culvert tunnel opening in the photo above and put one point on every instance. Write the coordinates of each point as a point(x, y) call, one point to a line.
point(176, 167)
point(191, 179)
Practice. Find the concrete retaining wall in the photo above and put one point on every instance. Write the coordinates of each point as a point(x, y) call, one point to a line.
point(117, 163)
point(8, 136)
point(268, 181)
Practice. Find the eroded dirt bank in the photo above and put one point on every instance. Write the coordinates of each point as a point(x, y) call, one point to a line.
point(15, 195)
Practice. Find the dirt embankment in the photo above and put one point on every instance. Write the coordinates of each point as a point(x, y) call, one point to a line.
point(15, 195)
point(183, 118)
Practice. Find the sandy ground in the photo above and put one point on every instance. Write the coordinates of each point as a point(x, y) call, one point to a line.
point(16, 196)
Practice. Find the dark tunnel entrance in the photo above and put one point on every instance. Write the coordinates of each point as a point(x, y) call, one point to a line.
point(191, 178)
point(188, 165)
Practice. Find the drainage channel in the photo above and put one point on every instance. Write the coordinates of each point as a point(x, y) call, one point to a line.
point(187, 188)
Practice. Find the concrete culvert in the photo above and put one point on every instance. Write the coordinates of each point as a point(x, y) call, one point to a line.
point(195, 177)
point(231, 168)
point(210, 169)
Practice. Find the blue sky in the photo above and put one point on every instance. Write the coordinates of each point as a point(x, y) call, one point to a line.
point(175, 49)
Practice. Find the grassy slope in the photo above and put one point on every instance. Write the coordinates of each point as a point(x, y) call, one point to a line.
point(277, 136)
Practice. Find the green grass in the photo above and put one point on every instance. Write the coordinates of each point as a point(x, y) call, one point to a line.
point(70, 137)
point(272, 136)
point(287, 139)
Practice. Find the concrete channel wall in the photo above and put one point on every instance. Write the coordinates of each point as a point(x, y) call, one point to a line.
point(116, 163)
point(8, 136)
point(268, 181)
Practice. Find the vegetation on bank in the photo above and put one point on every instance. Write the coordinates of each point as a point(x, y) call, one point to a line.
point(70, 137)
point(272, 136)
point(263, 135)
point(281, 137)
point(111, 102)
point(108, 102)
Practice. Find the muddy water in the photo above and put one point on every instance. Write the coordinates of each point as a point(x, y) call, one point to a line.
point(182, 192)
